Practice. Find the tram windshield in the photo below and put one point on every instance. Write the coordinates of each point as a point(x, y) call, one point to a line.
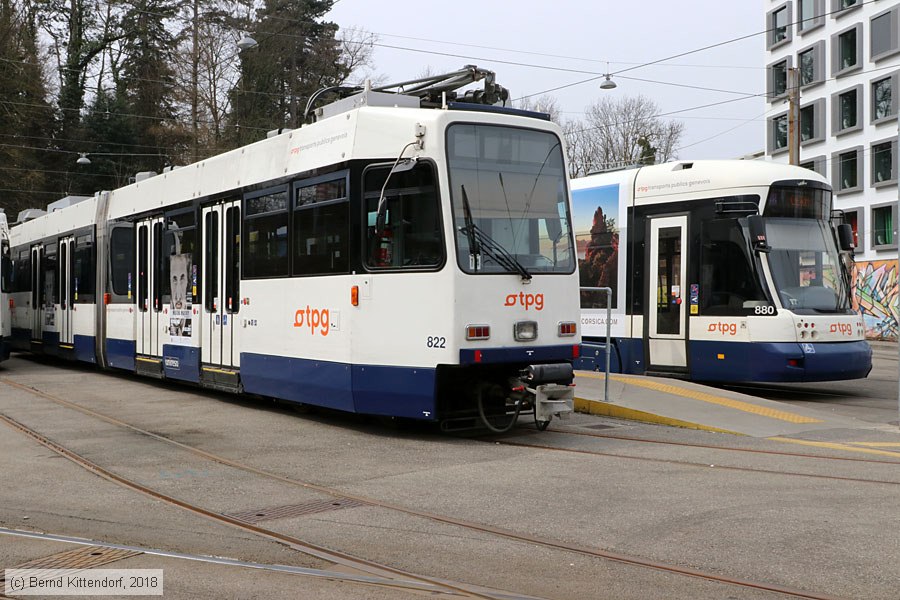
point(509, 195)
point(806, 266)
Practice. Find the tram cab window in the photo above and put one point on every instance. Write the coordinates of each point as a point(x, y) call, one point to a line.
point(412, 227)
point(728, 281)
point(265, 236)
point(321, 226)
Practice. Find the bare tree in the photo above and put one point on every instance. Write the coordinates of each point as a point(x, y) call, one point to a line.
point(620, 132)
point(545, 104)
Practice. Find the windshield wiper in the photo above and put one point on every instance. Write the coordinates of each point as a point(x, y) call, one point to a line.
point(481, 242)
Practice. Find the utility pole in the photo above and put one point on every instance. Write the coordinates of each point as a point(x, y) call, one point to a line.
point(793, 89)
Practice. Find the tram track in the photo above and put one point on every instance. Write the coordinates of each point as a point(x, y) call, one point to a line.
point(757, 451)
point(550, 543)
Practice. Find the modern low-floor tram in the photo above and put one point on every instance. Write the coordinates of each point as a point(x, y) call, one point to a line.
point(386, 259)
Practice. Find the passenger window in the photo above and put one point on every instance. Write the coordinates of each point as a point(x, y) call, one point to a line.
point(83, 270)
point(412, 236)
point(6, 267)
point(266, 235)
point(179, 257)
point(321, 227)
point(121, 261)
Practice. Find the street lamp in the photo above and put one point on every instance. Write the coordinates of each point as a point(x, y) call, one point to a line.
point(608, 84)
point(246, 42)
point(83, 159)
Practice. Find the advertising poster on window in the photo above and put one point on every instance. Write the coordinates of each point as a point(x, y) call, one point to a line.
point(596, 223)
point(180, 311)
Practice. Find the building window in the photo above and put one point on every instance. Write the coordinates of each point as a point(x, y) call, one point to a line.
point(778, 79)
point(883, 170)
point(847, 170)
point(884, 100)
point(810, 14)
point(778, 22)
point(883, 40)
point(778, 134)
point(854, 218)
point(812, 122)
point(883, 219)
point(847, 51)
point(847, 111)
point(839, 6)
point(816, 164)
point(811, 62)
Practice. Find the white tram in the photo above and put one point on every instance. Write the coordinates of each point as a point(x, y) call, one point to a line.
point(387, 259)
point(721, 270)
point(5, 269)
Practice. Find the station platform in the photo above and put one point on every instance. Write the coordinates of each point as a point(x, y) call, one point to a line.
point(685, 404)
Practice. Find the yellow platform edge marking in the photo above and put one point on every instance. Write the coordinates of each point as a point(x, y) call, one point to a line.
point(836, 446)
point(608, 409)
point(711, 399)
point(877, 444)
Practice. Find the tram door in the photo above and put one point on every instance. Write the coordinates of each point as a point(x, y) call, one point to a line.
point(66, 292)
point(37, 293)
point(149, 238)
point(221, 285)
point(666, 293)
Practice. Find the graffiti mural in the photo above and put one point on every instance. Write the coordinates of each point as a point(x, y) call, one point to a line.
point(875, 293)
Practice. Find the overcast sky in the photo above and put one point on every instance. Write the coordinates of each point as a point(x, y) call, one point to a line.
point(550, 40)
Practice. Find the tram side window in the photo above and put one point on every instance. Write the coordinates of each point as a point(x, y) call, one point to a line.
point(6, 266)
point(179, 259)
point(49, 295)
point(728, 280)
point(321, 228)
point(121, 261)
point(266, 235)
point(83, 270)
point(412, 235)
point(21, 279)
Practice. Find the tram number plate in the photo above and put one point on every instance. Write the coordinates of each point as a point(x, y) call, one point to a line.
point(436, 342)
point(764, 310)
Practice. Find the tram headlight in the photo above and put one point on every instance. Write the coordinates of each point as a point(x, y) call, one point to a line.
point(525, 331)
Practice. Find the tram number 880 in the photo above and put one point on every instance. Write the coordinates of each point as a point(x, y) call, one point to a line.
point(767, 309)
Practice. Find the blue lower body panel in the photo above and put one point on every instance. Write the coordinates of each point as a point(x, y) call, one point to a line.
point(86, 348)
point(120, 354)
point(316, 382)
point(181, 362)
point(51, 342)
point(4, 348)
point(395, 391)
point(779, 361)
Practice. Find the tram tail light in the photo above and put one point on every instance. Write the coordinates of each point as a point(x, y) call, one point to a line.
point(12, 304)
point(478, 332)
point(795, 362)
point(576, 351)
point(354, 295)
point(107, 298)
point(567, 329)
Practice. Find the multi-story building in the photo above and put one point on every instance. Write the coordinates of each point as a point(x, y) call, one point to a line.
point(847, 59)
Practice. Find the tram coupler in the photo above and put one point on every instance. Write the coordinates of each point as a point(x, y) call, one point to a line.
point(554, 394)
point(552, 400)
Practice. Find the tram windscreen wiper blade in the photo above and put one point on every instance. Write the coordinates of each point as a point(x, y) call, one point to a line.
point(480, 242)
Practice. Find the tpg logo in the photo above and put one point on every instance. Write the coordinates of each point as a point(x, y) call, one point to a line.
point(312, 318)
point(842, 329)
point(526, 300)
point(723, 328)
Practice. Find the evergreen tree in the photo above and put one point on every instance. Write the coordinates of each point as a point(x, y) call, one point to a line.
point(28, 119)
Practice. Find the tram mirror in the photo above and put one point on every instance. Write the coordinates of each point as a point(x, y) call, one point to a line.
point(758, 233)
point(845, 237)
point(6, 269)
